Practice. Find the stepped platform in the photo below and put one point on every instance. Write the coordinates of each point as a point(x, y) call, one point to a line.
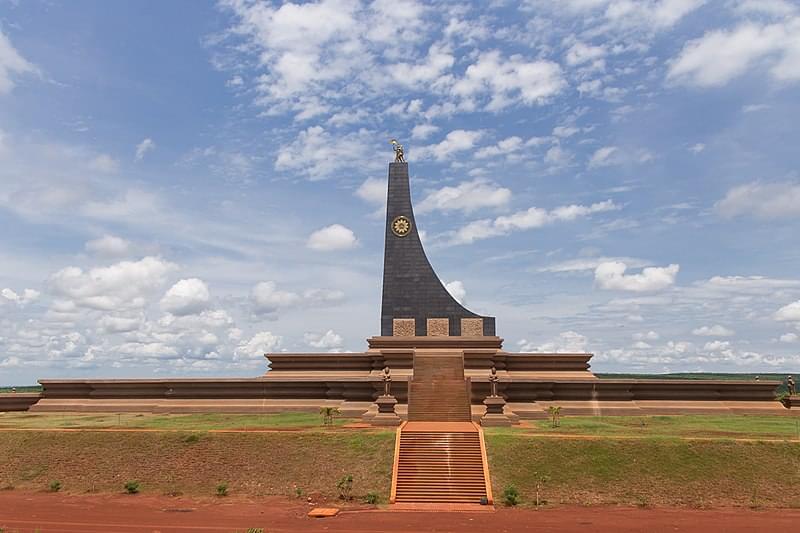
point(440, 462)
point(440, 454)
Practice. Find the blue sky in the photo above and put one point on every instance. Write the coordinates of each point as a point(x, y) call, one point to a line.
point(186, 186)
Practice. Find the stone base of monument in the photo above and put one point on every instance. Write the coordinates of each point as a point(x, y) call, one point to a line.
point(386, 415)
point(792, 402)
point(495, 413)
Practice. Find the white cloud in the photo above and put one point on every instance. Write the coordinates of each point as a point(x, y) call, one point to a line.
point(697, 148)
point(557, 156)
point(119, 324)
point(508, 146)
point(259, 345)
point(123, 285)
point(108, 245)
point(420, 74)
point(467, 196)
point(565, 132)
point(752, 108)
point(659, 15)
point(789, 337)
point(27, 296)
point(373, 190)
point(12, 361)
point(763, 200)
point(716, 346)
point(603, 157)
point(748, 284)
point(143, 147)
point(722, 55)
point(611, 276)
point(316, 297)
point(104, 163)
point(186, 297)
point(328, 340)
point(649, 336)
point(713, 331)
point(129, 206)
point(11, 62)
point(580, 53)
point(318, 154)
point(456, 290)
point(591, 263)
point(566, 342)
point(423, 131)
point(509, 81)
point(621, 15)
point(535, 217)
point(267, 298)
point(768, 7)
point(790, 312)
point(313, 53)
point(333, 237)
point(455, 142)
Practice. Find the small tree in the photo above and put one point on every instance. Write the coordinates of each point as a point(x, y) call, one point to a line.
point(555, 415)
point(55, 486)
point(541, 479)
point(222, 489)
point(345, 486)
point(328, 414)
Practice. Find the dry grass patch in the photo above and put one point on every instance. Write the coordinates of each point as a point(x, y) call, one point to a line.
point(196, 463)
point(647, 471)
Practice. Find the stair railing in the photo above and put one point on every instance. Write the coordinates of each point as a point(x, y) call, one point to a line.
point(396, 464)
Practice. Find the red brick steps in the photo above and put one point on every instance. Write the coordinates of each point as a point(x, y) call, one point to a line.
point(440, 456)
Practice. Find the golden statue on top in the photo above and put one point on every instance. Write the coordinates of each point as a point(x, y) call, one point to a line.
point(398, 151)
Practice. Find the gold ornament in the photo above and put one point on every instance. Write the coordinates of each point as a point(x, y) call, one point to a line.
point(401, 226)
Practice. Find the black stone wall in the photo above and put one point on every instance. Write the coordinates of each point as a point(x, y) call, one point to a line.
point(411, 289)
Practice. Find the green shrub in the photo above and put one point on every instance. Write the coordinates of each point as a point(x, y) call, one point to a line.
point(371, 498)
point(511, 496)
point(132, 487)
point(255, 530)
point(222, 489)
point(191, 439)
point(55, 486)
point(345, 486)
point(298, 492)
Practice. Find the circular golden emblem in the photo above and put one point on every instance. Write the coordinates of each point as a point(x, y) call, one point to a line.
point(401, 226)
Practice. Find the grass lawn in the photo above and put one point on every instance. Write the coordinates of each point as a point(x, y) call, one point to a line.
point(707, 426)
point(195, 463)
point(189, 422)
point(181, 456)
point(646, 472)
point(22, 388)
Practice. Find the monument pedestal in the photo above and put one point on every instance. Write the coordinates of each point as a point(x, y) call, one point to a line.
point(495, 413)
point(386, 414)
point(792, 402)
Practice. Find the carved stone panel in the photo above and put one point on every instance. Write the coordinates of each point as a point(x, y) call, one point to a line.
point(438, 327)
point(472, 327)
point(403, 327)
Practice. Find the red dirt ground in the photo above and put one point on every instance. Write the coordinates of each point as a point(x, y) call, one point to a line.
point(25, 512)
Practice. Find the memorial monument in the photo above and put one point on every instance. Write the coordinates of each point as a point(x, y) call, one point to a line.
point(446, 357)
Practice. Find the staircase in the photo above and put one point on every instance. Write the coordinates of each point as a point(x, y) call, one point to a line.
point(440, 457)
point(438, 390)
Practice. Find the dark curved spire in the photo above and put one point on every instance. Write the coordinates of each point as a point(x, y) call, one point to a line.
point(411, 288)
